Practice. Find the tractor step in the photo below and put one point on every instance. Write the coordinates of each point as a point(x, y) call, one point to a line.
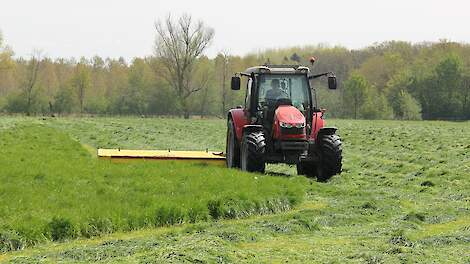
point(122, 155)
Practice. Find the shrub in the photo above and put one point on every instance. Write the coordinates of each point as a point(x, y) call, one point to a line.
point(96, 227)
point(60, 229)
point(415, 217)
point(168, 216)
point(10, 240)
point(215, 209)
point(196, 214)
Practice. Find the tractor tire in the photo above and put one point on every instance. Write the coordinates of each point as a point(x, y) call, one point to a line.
point(232, 147)
point(330, 159)
point(307, 168)
point(330, 153)
point(253, 149)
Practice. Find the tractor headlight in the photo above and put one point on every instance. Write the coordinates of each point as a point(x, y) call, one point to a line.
point(300, 125)
point(285, 125)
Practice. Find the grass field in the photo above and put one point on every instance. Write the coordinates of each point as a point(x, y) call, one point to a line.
point(55, 189)
point(403, 197)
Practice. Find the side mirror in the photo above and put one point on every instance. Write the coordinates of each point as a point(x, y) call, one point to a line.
point(332, 82)
point(235, 83)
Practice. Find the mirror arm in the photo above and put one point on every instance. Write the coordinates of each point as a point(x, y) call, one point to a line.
point(311, 77)
point(242, 74)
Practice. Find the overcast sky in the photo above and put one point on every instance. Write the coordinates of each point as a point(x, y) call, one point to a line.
point(75, 28)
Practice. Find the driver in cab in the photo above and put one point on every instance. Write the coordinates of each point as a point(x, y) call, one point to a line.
point(275, 92)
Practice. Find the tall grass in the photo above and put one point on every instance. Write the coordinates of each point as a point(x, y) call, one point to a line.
point(51, 188)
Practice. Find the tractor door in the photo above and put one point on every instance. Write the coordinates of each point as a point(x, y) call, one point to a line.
point(250, 97)
point(316, 116)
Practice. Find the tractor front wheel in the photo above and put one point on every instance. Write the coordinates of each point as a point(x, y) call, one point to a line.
point(330, 157)
point(329, 162)
point(253, 149)
point(307, 168)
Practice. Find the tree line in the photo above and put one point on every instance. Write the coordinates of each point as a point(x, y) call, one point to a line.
point(389, 80)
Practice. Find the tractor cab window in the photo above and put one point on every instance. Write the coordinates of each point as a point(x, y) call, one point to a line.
point(293, 88)
point(249, 83)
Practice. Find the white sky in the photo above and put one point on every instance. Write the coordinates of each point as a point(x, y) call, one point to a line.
point(74, 28)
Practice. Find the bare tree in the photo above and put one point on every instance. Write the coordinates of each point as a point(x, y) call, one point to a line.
point(178, 45)
point(31, 79)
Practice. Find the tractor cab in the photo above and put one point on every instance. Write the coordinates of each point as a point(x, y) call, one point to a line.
point(280, 120)
point(286, 90)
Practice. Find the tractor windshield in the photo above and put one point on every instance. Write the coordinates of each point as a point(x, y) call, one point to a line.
point(289, 86)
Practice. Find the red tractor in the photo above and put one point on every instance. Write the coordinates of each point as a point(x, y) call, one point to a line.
point(282, 123)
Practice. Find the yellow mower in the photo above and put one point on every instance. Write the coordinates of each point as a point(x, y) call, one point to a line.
point(122, 155)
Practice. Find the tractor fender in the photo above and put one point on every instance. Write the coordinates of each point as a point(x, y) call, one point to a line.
point(239, 121)
point(326, 131)
point(252, 128)
point(317, 123)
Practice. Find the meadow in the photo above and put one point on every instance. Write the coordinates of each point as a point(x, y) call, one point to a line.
point(54, 189)
point(403, 196)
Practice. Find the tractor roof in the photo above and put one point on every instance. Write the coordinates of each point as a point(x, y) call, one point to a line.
point(276, 69)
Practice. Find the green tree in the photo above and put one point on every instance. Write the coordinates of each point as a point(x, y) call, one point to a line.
point(401, 81)
point(329, 100)
point(7, 65)
point(466, 96)
point(117, 82)
point(449, 80)
point(139, 83)
point(81, 81)
point(64, 101)
point(222, 72)
point(30, 81)
point(430, 76)
point(375, 105)
point(205, 99)
point(97, 101)
point(6, 54)
point(440, 92)
point(354, 95)
point(379, 69)
point(410, 108)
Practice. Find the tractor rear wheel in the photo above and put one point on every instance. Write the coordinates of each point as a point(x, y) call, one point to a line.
point(232, 147)
point(330, 159)
point(253, 149)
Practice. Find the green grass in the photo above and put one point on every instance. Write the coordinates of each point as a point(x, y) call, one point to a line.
point(145, 133)
point(403, 197)
point(54, 189)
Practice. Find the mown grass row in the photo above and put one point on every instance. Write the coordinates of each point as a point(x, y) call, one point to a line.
point(54, 189)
